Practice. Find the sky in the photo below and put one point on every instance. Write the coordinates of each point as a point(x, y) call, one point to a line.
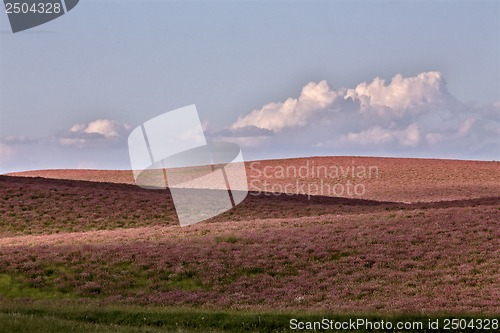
point(280, 78)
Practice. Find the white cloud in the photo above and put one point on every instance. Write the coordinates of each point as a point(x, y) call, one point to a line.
point(95, 132)
point(400, 96)
point(293, 112)
point(100, 143)
point(375, 135)
point(77, 128)
point(411, 113)
point(401, 93)
point(104, 127)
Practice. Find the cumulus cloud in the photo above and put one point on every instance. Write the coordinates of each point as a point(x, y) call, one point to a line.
point(412, 113)
point(314, 97)
point(401, 94)
point(99, 143)
point(105, 127)
point(96, 132)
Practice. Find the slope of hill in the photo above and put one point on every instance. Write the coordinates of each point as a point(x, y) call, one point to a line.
point(114, 243)
point(383, 179)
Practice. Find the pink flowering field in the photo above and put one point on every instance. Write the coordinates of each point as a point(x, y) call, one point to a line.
point(114, 243)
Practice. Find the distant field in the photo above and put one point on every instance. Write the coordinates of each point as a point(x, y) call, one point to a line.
point(398, 179)
point(424, 239)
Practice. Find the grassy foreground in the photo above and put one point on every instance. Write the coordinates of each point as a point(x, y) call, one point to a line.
point(17, 316)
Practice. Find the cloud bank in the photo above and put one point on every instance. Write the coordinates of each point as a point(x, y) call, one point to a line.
point(411, 114)
point(406, 116)
point(101, 143)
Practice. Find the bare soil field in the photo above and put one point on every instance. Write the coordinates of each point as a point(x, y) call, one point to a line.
point(423, 238)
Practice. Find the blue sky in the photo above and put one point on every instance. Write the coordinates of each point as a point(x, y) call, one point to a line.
point(124, 62)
